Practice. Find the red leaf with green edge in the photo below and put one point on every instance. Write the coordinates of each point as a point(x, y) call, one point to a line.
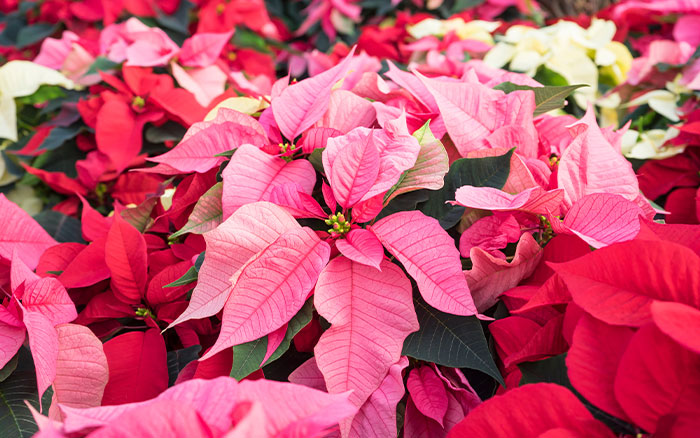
point(271, 288)
point(138, 368)
point(617, 284)
point(429, 255)
point(370, 313)
point(19, 232)
point(207, 213)
point(127, 260)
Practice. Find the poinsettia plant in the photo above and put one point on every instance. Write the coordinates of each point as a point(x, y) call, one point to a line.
point(212, 228)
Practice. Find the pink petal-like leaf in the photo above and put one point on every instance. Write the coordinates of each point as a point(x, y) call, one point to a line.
point(601, 219)
point(81, 369)
point(429, 255)
point(428, 393)
point(361, 246)
point(205, 83)
point(286, 416)
point(247, 232)
point(535, 200)
point(203, 49)
point(48, 297)
point(274, 340)
point(430, 168)
point(43, 343)
point(227, 131)
point(251, 175)
point(351, 163)
point(126, 258)
point(591, 165)
point(20, 272)
point(347, 111)
point(491, 276)
point(296, 201)
point(18, 231)
point(377, 417)
point(271, 288)
point(301, 105)
point(371, 313)
point(12, 334)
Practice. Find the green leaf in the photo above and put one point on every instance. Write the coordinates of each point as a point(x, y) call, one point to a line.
point(15, 418)
point(246, 38)
point(405, 202)
point(477, 172)
point(315, 159)
point(546, 98)
point(546, 76)
point(140, 216)
point(550, 370)
point(190, 276)
point(180, 19)
point(29, 35)
point(59, 226)
point(101, 64)
point(450, 340)
point(178, 360)
point(43, 94)
point(207, 213)
point(9, 368)
point(248, 357)
point(168, 131)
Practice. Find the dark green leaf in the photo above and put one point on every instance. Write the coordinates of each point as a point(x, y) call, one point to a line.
point(450, 340)
point(179, 20)
point(61, 227)
point(59, 135)
point(101, 64)
point(546, 98)
point(9, 368)
point(546, 76)
point(29, 35)
point(248, 39)
point(551, 370)
point(405, 202)
point(16, 420)
point(315, 159)
point(169, 131)
point(178, 359)
point(477, 172)
point(190, 276)
point(247, 358)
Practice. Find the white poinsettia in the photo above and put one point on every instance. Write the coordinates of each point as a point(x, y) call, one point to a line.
point(19, 79)
point(477, 30)
point(579, 55)
point(651, 144)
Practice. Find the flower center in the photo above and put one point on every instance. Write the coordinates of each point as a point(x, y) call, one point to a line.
point(338, 225)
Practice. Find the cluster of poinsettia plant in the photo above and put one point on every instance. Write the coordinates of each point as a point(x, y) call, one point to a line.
point(407, 240)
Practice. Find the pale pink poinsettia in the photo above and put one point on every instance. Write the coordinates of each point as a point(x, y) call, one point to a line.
point(205, 83)
point(36, 307)
point(491, 234)
point(137, 44)
point(197, 150)
point(70, 55)
point(490, 276)
point(590, 164)
point(251, 175)
point(214, 408)
point(478, 117)
point(601, 219)
point(20, 233)
point(533, 200)
point(370, 313)
point(331, 14)
point(302, 104)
